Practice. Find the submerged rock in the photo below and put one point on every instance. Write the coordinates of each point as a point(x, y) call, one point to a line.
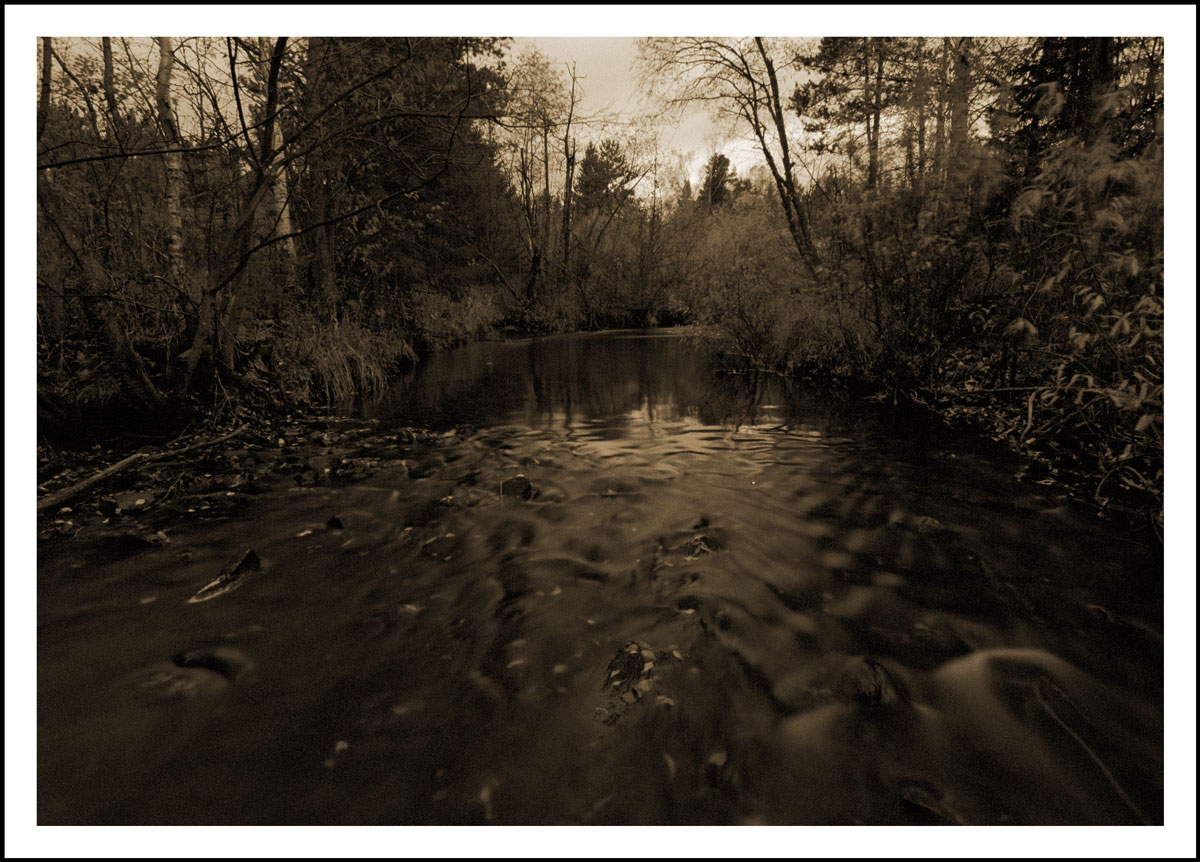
point(125, 543)
point(924, 804)
point(169, 682)
point(868, 683)
point(224, 660)
point(230, 576)
point(517, 486)
point(629, 666)
point(133, 501)
point(440, 547)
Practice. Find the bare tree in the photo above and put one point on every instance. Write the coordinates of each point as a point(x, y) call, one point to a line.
point(220, 308)
point(738, 78)
point(280, 214)
point(568, 173)
point(539, 106)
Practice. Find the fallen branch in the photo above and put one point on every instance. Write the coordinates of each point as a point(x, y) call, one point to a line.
point(59, 497)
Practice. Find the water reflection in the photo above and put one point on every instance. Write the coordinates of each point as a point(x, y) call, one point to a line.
point(614, 384)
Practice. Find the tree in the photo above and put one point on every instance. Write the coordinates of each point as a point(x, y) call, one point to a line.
point(603, 193)
point(604, 176)
point(714, 189)
point(366, 129)
point(538, 104)
point(1083, 89)
point(47, 78)
point(738, 78)
point(173, 159)
point(856, 81)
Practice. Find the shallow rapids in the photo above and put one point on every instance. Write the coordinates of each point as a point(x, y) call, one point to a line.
point(616, 588)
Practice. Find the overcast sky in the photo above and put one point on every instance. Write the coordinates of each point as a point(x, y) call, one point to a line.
point(609, 83)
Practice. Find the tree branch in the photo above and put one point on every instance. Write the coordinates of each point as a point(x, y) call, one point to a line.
point(60, 497)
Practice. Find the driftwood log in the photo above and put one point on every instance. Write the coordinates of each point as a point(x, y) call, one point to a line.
point(60, 497)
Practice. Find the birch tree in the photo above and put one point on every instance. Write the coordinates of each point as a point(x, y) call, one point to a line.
point(173, 161)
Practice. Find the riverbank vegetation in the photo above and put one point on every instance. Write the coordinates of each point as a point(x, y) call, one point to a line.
point(974, 225)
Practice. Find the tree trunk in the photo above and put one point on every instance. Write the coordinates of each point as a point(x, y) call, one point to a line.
point(529, 215)
point(238, 298)
point(325, 280)
point(1101, 76)
point(546, 183)
point(919, 95)
point(876, 109)
point(1152, 100)
point(267, 220)
point(535, 268)
point(957, 169)
point(939, 131)
point(910, 161)
point(785, 183)
point(174, 162)
point(569, 178)
point(98, 309)
point(110, 93)
point(279, 213)
point(960, 89)
point(231, 260)
point(866, 74)
point(47, 74)
point(569, 155)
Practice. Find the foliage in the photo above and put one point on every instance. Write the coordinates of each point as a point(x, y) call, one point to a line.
point(1090, 328)
point(604, 174)
point(973, 224)
point(341, 243)
point(1009, 273)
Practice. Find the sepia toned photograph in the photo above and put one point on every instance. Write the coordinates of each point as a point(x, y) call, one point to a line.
point(586, 430)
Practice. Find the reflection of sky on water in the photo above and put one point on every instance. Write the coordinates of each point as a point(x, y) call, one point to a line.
point(619, 385)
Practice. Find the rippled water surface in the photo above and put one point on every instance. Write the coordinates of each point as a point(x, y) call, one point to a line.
point(713, 599)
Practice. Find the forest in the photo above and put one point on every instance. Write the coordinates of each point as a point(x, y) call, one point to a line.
point(535, 430)
point(972, 226)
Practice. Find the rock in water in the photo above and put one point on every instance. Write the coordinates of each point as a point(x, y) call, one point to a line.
point(517, 486)
point(868, 683)
point(226, 661)
point(230, 576)
point(133, 501)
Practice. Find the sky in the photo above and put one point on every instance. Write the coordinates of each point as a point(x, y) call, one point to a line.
point(609, 84)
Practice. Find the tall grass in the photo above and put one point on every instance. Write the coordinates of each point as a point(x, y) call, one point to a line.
point(336, 360)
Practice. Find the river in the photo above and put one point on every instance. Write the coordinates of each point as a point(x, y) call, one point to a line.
point(616, 586)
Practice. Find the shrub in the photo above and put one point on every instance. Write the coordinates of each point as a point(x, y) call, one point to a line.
point(334, 361)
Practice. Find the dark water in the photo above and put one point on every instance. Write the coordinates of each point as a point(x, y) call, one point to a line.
point(728, 600)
